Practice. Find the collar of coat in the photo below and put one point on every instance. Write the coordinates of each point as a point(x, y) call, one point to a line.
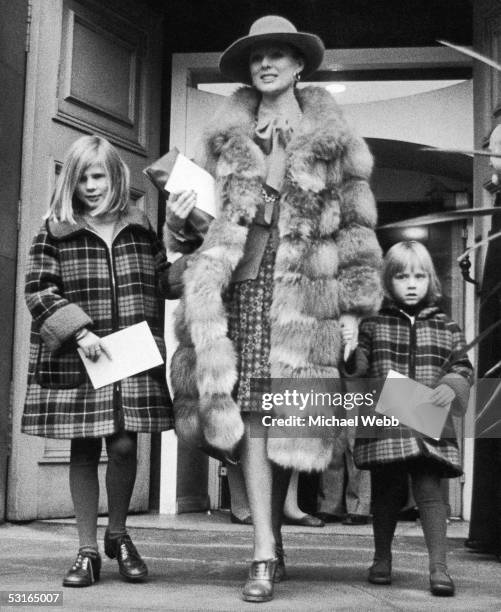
point(426, 312)
point(130, 216)
point(327, 169)
point(322, 131)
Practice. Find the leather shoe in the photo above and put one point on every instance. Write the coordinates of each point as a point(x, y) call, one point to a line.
point(356, 519)
point(380, 572)
point(85, 570)
point(259, 585)
point(130, 564)
point(280, 571)
point(326, 517)
point(305, 521)
point(441, 583)
point(245, 521)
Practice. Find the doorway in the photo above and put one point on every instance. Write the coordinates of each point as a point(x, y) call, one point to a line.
point(196, 93)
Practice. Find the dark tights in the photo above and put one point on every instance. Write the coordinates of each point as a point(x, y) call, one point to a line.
point(389, 490)
point(84, 484)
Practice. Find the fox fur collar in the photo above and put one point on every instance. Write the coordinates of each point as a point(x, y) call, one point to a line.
point(327, 264)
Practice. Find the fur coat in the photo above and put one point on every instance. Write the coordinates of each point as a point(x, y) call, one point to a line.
point(328, 263)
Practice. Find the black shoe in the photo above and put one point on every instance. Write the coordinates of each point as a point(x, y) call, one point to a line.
point(85, 570)
point(326, 517)
point(305, 521)
point(380, 572)
point(441, 583)
point(259, 585)
point(280, 571)
point(130, 564)
point(245, 521)
point(356, 519)
point(483, 547)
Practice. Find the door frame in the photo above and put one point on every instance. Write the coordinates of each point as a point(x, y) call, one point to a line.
point(40, 84)
point(188, 69)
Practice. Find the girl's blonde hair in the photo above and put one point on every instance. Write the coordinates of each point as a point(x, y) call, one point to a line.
point(85, 152)
point(411, 254)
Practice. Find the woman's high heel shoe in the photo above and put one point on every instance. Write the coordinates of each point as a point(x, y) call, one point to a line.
point(85, 570)
point(259, 585)
point(441, 583)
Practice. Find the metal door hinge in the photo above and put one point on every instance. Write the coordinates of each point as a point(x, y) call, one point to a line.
point(29, 17)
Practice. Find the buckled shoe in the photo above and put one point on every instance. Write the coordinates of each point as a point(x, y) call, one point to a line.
point(130, 564)
point(86, 570)
point(259, 585)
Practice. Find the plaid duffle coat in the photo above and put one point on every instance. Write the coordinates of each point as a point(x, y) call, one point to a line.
point(429, 350)
point(74, 280)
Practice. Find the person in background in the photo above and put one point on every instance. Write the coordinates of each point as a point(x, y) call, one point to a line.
point(240, 511)
point(94, 269)
point(345, 491)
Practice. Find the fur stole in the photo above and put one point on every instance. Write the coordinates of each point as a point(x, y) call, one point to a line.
point(327, 264)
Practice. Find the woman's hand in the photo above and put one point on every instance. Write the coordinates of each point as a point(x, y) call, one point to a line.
point(442, 395)
point(179, 206)
point(93, 346)
point(349, 333)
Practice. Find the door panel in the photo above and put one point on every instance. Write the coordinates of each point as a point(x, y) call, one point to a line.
point(197, 480)
point(90, 70)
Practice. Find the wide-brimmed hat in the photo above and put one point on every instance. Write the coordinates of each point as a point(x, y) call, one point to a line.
point(234, 62)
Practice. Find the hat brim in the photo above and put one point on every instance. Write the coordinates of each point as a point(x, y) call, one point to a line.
point(234, 62)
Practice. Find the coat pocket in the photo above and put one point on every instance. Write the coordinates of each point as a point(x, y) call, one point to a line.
point(62, 369)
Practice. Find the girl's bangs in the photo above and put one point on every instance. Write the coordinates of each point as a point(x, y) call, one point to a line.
point(408, 260)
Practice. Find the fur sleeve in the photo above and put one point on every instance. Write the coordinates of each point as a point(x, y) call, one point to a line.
point(360, 256)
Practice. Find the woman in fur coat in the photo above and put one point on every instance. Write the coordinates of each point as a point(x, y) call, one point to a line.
point(290, 259)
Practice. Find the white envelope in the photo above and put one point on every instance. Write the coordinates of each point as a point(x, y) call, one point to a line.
point(409, 402)
point(132, 349)
point(185, 174)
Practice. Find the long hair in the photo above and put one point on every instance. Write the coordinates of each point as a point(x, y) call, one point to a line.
point(414, 255)
point(85, 152)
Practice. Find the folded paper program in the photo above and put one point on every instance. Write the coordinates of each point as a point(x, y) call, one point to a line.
point(132, 350)
point(409, 401)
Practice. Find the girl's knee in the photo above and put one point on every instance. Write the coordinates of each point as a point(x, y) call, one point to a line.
point(85, 451)
point(122, 446)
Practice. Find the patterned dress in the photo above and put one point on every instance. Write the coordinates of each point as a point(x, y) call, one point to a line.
point(249, 304)
point(249, 301)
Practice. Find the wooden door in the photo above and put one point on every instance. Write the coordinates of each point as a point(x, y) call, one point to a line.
point(93, 67)
point(197, 481)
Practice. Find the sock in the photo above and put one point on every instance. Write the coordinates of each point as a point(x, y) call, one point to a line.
point(389, 488)
point(120, 479)
point(84, 487)
point(433, 515)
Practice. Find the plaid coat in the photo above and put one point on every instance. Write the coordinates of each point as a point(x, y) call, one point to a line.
point(429, 351)
point(73, 280)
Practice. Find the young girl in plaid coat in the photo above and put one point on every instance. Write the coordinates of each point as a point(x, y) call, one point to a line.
point(94, 268)
point(414, 337)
